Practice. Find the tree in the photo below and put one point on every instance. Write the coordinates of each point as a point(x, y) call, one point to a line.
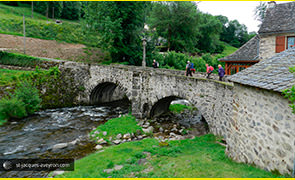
point(177, 23)
point(71, 10)
point(119, 26)
point(233, 32)
point(260, 11)
point(43, 7)
point(290, 93)
point(209, 32)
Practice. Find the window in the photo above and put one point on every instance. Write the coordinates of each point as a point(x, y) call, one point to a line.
point(241, 68)
point(233, 70)
point(290, 42)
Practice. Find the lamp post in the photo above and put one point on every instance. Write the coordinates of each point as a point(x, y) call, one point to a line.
point(143, 58)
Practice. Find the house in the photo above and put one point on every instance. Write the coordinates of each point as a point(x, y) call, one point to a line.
point(263, 125)
point(276, 34)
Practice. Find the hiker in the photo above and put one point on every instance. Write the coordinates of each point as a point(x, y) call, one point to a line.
point(155, 64)
point(192, 68)
point(221, 72)
point(209, 70)
point(188, 69)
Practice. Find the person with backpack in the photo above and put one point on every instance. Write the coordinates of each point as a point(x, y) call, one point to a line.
point(209, 70)
point(188, 69)
point(221, 72)
point(192, 68)
point(155, 64)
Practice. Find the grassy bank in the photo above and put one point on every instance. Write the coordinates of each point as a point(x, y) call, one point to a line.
point(199, 158)
point(11, 20)
point(178, 108)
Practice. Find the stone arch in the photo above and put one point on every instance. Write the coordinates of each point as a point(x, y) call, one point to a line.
point(162, 105)
point(107, 91)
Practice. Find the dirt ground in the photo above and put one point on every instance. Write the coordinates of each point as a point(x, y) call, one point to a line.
point(50, 49)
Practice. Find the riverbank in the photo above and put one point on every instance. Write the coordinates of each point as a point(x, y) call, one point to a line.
point(200, 157)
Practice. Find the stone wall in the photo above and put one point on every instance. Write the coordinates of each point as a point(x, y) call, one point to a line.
point(267, 47)
point(262, 130)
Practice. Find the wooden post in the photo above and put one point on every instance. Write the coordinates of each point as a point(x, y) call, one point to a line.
point(24, 26)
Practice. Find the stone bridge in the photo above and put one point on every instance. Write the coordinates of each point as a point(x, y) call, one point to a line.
point(151, 91)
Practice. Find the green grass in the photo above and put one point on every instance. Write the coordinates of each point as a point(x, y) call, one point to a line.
point(201, 157)
point(11, 77)
point(178, 108)
point(113, 127)
point(11, 20)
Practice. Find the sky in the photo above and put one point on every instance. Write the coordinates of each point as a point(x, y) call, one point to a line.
point(243, 11)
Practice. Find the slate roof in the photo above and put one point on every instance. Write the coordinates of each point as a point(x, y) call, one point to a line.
point(248, 52)
point(279, 19)
point(272, 74)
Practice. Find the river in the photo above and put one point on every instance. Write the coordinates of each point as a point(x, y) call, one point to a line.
point(35, 136)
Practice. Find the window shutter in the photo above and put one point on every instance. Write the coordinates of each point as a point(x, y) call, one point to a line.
point(280, 44)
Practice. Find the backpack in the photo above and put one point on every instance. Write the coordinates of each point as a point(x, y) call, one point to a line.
point(211, 68)
point(192, 65)
point(157, 64)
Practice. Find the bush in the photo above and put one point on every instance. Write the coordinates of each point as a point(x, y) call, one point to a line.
point(29, 96)
point(12, 108)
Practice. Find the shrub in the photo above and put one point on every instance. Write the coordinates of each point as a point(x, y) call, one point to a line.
point(29, 96)
point(12, 108)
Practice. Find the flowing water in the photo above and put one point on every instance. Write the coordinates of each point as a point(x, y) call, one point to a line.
point(34, 137)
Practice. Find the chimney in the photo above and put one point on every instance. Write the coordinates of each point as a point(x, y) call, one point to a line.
point(271, 4)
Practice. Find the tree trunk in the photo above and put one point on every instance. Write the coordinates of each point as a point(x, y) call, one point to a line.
point(169, 37)
point(47, 9)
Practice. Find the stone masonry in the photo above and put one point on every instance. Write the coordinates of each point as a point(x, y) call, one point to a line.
point(257, 124)
point(262, 129)
point(267, 47)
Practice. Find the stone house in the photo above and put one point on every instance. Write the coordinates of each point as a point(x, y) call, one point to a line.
point(276, 34)
point(262, 129)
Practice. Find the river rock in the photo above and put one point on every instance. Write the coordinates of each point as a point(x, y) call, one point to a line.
point(101, 141)
point(148, 130)
point(108, 170)
point(147, 124)
point(174, 129)
point(117, 141)
point(59, 146)
point(119, 136)
point(96, 132)
point(161, 129)
point(57, 172)
point(126, 136)
point(142, 161)
point(74, 142)
point(104, 133)
point(118, 167)
point(97, 147)
point(172, 134)
point(139, 137)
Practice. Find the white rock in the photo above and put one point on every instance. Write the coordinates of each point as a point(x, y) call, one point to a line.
point(57, 172)
point(174, 129)
point(119, 136)
point(59, 146)
point(108, 170)
point(117, 141)
point(101, 141)
point(118, 167)
point(139, 137)
point(74, 142)
point(126, 136)
point(97, 147)
point(161, 129)
point(172, 134)
point(148, 130)
point(104, 133)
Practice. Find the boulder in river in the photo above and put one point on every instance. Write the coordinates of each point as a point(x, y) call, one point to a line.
point(59, 146)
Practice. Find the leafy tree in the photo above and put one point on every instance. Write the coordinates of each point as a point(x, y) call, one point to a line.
point(290, 93)
point(177, 22)
point(209, 32)
point(41, 7)
point(71, 10)
point(119, 26)
point(260, 11)
point(233, 32)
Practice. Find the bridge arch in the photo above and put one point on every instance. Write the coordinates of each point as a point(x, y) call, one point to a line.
point(107, 91)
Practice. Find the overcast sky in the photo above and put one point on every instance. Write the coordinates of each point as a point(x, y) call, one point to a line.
point(243, 11)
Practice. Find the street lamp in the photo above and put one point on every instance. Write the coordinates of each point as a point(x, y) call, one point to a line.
point(143, 58)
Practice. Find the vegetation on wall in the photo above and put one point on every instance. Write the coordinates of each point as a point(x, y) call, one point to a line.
point(290, 93)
